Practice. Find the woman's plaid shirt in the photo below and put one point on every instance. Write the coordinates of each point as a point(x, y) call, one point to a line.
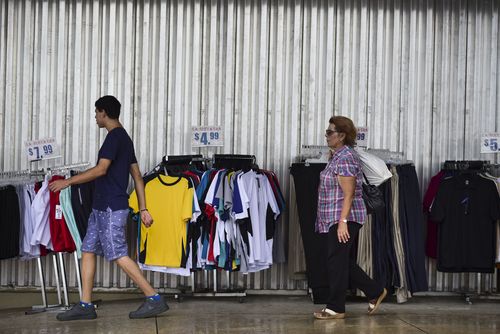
point(344, 162)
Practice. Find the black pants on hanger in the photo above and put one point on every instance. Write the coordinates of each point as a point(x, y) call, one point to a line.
point(411, 219)
point(342, 270)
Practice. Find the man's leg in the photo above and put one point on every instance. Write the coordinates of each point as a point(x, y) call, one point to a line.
point(154, 303)
point(133, 271)
point(88, 272)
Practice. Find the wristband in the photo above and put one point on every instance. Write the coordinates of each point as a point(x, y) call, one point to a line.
point(143, 210)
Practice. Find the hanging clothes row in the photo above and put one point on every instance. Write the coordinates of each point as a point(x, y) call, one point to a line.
point(219, 218)
point(390, 245)
point(397, 235)
point(38, 221)
point(463, 204)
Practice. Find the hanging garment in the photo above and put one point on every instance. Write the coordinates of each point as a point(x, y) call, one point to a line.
point(40, 216)
point(466, 208)
point(411, 221)
point(430, 195)
point(26, 194)
point(62, 241)
point(81, 202)
point(402, 291)
point(69, 218)
point(9, 222)
point(306, 180)
point(170, 203)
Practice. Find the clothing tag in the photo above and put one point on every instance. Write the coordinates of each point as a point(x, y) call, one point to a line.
point(58, 212)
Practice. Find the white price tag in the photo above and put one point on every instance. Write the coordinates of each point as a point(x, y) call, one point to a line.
point(490, 143)
point(362, 138)
point(59, 213)
point(203, 136)
point(42, 149)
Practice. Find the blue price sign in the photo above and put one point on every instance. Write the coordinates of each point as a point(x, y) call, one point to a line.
point(362, 138)
point(490, 143)
point(42, 149)
point(204, 136)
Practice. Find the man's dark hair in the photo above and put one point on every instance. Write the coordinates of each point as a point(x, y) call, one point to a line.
point(110, 105)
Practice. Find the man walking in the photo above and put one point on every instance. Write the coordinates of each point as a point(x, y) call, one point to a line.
point(107, 222)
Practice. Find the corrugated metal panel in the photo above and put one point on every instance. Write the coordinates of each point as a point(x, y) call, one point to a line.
point(422, 75)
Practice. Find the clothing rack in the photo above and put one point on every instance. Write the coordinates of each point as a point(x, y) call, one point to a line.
point(234, 161)
point(390, 157)
point(59, 266)
point(469, 166)
point(464, 165)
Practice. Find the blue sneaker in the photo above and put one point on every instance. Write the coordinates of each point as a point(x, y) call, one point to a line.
point(149, 308)
point(78, 312)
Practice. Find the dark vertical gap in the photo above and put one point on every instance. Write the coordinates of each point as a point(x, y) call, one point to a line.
point(301, 74)
point(134, 64)
point(269, 25)
point(336, 15)
point(167, 93)
point(368, 5)
point(435, 16)
point(401, 56)
point(235, 51)
point(3, 64)
point(466, 77)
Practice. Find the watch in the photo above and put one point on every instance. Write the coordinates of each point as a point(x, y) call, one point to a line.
point(344, 220)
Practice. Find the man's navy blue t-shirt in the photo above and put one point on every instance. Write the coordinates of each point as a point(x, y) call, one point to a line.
point(111, 189)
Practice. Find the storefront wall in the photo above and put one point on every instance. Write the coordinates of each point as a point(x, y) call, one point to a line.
point(421, 75)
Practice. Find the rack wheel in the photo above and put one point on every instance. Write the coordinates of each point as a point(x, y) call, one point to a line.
point(241, 300)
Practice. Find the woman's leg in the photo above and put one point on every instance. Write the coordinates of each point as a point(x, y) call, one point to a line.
point(339, 266)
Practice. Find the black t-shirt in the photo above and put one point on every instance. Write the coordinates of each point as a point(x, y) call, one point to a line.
point(111, 189)
point(466, 208)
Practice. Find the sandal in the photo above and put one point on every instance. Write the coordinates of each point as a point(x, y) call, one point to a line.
point(326, 314)
point(374, 303)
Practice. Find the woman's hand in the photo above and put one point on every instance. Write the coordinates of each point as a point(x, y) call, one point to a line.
point(342, 232)
point(146, 218)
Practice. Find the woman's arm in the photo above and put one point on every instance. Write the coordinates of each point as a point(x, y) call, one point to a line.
point(348, 185)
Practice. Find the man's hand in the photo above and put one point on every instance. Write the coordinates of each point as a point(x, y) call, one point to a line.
point(146, 218)
point(58, 185)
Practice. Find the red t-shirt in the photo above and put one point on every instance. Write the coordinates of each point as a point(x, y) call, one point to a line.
point(432, 228)
point(62, 241)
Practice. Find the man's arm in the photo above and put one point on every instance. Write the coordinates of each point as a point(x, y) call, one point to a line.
point(89, 175)
point(146, 218)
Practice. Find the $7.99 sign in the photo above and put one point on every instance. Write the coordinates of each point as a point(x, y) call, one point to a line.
point(203, 136)
point(42, 149)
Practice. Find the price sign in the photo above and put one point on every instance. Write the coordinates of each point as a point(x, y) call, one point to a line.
point(42, 149)
point(204, 136)
point(490, 143)
point(362, 138)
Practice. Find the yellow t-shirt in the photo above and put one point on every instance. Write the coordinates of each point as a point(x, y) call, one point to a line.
point(170, 202)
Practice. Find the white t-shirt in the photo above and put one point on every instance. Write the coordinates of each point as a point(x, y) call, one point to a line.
point(26, 194)
point(40, 215)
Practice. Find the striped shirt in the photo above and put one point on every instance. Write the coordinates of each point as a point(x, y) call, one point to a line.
point(344, 162)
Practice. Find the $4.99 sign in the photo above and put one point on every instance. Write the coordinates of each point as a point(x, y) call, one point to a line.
point(490, 143)
point(204, 136)
point(42, 149)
